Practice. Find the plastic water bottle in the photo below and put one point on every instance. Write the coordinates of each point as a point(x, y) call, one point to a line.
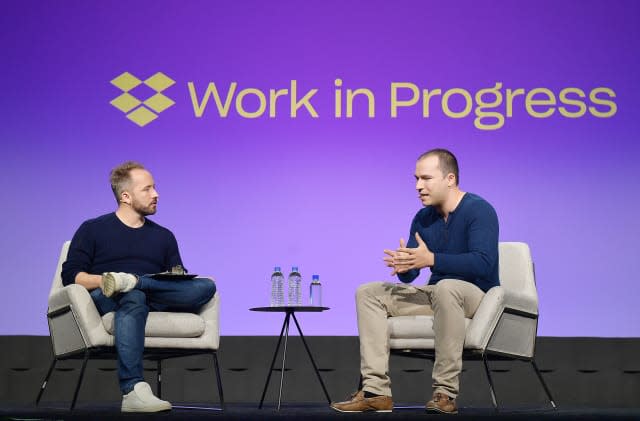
point(315, 291)
point(295, 283)
point(277, 287)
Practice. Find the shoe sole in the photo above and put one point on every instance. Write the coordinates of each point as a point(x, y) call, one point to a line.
point(440, 411)
point(108, 284)
point(149, 410)
point(365, 410)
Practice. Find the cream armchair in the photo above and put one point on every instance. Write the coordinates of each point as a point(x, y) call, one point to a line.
point(79, 332)
point(505, 324)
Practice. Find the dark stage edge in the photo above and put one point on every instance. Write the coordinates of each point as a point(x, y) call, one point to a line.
point(311, 411)
point(589, 378)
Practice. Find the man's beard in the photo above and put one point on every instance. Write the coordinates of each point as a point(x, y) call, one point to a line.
point(143, 210)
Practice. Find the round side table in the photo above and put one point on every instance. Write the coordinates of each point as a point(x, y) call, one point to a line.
point(290, 312)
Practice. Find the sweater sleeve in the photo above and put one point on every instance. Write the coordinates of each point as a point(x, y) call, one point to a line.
point(172, 257)
point(483, 247)
point(80, 256)
point(412, 274)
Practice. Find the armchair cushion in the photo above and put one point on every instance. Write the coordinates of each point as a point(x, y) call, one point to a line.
point(165, 324)
point(413, 327)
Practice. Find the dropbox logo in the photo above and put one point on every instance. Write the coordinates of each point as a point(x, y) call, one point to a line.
point(142, 112)
point(488, 108)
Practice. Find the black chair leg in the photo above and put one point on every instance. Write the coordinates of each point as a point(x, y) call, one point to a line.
point(491, 389)
point(218, 379)
point(75, 394)
point(544, 385)
point(159, 378)
point(46, 380)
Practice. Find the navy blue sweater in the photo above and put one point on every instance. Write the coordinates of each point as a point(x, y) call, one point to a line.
point(465, 247)
point(106, 244)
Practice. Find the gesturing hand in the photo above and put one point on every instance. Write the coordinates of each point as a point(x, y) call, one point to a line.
point(413, 258)
point(390, 259)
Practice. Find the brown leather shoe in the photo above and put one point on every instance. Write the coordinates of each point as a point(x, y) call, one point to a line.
point(443, 404)
point(358, 403)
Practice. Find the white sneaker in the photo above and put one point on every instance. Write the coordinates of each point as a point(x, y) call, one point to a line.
point(142, 399)
point(113, 282)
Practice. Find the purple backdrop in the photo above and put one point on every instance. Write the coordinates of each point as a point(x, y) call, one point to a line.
point(326, 194)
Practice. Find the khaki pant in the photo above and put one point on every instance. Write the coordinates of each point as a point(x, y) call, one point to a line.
point(449, 301)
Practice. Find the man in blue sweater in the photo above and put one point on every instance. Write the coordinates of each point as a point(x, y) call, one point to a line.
point(456, 236)
point(110, 256)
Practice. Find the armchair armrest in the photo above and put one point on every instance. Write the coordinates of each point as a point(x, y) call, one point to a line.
point(496, 301)
point(82, 319)
point(75, 295)
point(485, 319)
point(210, 313)
point(521, 302)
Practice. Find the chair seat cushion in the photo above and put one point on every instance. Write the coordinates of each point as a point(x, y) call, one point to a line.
point(165, 324)
point(413, 327)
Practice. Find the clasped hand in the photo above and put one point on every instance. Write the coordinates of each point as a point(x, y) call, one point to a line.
point(405, 259)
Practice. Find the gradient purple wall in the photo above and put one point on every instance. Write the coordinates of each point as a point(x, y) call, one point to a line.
point(325, 194)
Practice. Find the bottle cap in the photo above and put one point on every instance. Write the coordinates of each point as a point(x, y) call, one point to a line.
point(294, 268)
point(276, 269)
point(315, 277)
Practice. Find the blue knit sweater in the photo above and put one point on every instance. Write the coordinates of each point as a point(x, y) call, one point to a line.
point(106, 244)
point(465, 247)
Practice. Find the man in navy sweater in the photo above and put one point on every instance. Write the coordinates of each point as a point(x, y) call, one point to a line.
point(110, 256)
point(456, 236)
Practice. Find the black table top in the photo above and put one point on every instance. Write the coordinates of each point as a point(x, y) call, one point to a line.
point(283, 309)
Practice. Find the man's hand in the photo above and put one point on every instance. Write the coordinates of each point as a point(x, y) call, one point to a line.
point(413, 258)
point(390, 259)
point(88, 281)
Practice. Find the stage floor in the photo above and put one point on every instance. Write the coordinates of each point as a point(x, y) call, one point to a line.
point(85, 411)
point(590, 378)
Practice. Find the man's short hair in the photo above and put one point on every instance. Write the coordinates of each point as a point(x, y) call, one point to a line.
point(446, 161)
point(120, 177)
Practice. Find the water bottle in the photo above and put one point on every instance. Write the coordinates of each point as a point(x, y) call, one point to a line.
point(315, 292)
point(277, 287)
point(295, 292)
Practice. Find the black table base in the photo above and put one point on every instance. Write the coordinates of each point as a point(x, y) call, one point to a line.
point(290, 313)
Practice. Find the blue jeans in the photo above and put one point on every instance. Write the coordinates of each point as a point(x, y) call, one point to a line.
point(132, 309)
